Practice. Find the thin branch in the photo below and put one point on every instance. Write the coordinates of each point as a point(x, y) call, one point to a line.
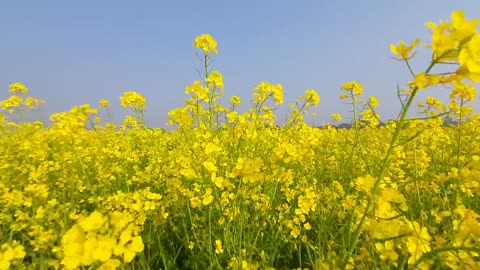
point(410, 69)
point(399, 95)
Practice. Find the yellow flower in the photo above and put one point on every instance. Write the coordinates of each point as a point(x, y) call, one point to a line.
point(210, 166)
point(277, 91)
point(373, 101)
point(195, 202)
point(18, 88)
point(110, 265)
point(312, 96)
point(13, 101)
point(403, 50)
point(232, 117)
point(213, 148)
point(265, 90)
point(464, 91)
point(208, 197)
point(219, 181)
point(463, 29)
point(203, 93)
point(119, 220)
point(206, 43)
point(133, 99)
point(215, 79)
point(235, 100)
point(128, 246)
point(431, 101)
point(365, 182)
point(92, 222)
point(32, 102)
point(104, 103)
point(179, 116)
point(335, 116)
point(72, 242)
point(218, 246)
point(12, 251)
point(354, 87)
point(4, 264)
point(104, 250)
point(89, 248)
point(448, 36)
point(387, 251)
point(470, 55)
point(461, 73)
point(422, 80)
point(307, 226)
point(295, 232)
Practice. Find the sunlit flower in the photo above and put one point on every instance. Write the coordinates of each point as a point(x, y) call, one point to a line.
point(18, 88)
point(206, 43)
point(133, 99)
point(403, 50)
point(235, 100)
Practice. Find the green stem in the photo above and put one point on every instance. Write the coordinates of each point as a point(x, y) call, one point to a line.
point(384, 165)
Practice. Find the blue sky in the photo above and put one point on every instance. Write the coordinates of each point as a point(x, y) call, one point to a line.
point(75, 52)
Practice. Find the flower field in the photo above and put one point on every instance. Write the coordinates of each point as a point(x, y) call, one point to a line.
point(226, 189)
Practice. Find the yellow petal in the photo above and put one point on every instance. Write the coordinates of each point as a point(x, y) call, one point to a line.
point(394, 49)
point(458, 16)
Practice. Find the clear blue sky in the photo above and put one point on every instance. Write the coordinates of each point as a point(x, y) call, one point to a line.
point(75, 52)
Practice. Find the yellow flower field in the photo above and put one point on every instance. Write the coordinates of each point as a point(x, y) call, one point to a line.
point(231, 190)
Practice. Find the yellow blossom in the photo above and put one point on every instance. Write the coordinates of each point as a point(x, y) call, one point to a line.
point(133, 99)
point(336, 117)
point(128, 246)
point(208, 197)
point(373, 101)
point(104, 103)
point(201, 92)
point(312, 96)
point(110, 265)
point(92, 222)
point(365, 182)
point(215, 79)
point(235, 100)
point(218, 246)
point(470, 55)
point(206, 43)
point(403, 50)
point(17, 88)
point(355, 87)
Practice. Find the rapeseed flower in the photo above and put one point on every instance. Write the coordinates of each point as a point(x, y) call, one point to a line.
point(133, 99)
point(470, 54)
point(18, 88)
point(235, 100)
point(206, 43)
point(355, 87)
point(403, 50)
point(104, 103)
point(336, 117)
point(215, 80)
point(218, 246)
point(312, 97)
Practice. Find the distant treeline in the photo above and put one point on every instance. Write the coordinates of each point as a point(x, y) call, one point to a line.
point(447, 121)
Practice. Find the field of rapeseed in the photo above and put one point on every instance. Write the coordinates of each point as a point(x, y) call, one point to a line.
point(231, 190)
